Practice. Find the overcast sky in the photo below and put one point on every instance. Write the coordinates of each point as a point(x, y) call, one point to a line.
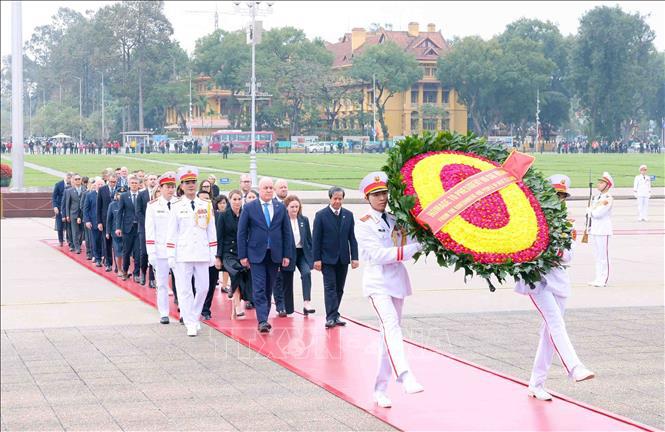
point(330, 20)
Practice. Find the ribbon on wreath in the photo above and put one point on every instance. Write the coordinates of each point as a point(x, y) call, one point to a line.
point(474, 188)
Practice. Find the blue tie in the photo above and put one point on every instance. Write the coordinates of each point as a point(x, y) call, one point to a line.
point(266, 213)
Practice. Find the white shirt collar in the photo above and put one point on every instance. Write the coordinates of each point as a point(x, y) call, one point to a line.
point(333, 210)
point(265, 202)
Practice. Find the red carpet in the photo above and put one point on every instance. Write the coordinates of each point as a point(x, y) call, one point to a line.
point(458, 395)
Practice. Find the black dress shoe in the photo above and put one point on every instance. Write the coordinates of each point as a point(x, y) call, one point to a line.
point(181, 321)
point(137, 279)
point(78, 252)
point(60, 244)
point(249, 305)
point(142, 280)
point(330, 324)
point(306, 311)
point(339, 322)
point(99, 264)
point(264, 327)
point(281, 314)
point(206, 316)
point(153, 284)
point(164, 320)
point(269, 325)
point(124, 277)
point(108, 268)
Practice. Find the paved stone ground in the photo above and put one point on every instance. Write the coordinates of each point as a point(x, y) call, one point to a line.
point(623, 346)
point(140, 377)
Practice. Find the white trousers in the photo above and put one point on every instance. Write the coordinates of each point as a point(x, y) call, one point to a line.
point(191, 305)
point(642, 207)
point(162, 280)
point(601, 255)
point(553, 337)
point(392, 357)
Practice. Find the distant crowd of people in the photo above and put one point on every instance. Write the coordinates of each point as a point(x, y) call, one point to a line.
point(604, 146)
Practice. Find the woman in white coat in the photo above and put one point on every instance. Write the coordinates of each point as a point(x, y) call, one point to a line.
point(549, 296)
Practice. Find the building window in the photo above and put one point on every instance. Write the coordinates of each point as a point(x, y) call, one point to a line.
point(430, 93)
point(429, 124)
point(446, 96)
point(430, 71)
point(414, 121)
point(414, 95)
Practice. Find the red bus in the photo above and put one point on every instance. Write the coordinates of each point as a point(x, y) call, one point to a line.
point(241, 142)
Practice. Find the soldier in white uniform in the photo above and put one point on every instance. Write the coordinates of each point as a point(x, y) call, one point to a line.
point(549, 296)
point(383, 247)
point(191, 242)
point(642, 190)
point(600, 231)
point(156, 226)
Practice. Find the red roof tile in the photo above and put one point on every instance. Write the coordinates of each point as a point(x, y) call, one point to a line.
point(415, 45)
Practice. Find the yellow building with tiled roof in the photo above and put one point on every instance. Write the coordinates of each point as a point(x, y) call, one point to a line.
point(426, 106)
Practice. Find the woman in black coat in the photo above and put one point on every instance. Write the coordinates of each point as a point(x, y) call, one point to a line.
point(227, 255)
point(301, 243)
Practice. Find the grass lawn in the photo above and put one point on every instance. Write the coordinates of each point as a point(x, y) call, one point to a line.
point(344, 170)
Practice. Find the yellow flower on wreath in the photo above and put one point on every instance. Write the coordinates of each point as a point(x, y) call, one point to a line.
point(519, 234)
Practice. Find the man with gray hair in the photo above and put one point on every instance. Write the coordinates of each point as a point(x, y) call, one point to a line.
point(264, 234)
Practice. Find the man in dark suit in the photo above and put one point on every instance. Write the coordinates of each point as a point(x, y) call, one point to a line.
point(90, 220)
point(334, 247)
point(127, 227)
point(142, 204)
point(264, 243)
point(56, 198)
point(104, 198)
point(74, 211)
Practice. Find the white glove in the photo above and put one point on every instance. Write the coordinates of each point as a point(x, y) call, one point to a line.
point(172, 262)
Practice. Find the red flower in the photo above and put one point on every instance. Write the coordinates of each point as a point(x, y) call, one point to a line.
point(5, 171)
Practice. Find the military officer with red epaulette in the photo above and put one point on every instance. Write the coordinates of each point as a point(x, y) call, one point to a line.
point(156, 226)
point(191, 243)
point(383, 247)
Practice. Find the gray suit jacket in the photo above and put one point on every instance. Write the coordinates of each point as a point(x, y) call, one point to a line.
point(74, 203)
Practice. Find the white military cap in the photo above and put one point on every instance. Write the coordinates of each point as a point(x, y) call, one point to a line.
point(374, 182)
point(187, 173)
point(607, 178)
point(643, 167)
point(560, 183)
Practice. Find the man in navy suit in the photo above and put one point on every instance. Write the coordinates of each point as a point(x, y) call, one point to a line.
point(56, 198)
point(127, 227)
point(90, 221)
point(264, 243)
point(334, 248)
point(104, 198)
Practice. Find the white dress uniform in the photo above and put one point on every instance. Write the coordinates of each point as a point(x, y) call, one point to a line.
point(549, 296)
point(642, 190)
point(601, 230)
point(382, 248)
point(191, 242)
point(156, 227)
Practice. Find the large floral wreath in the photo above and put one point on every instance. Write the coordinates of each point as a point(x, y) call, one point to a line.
point(518, 230)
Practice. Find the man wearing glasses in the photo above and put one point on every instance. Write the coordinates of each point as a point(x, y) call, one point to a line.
point(245, 186)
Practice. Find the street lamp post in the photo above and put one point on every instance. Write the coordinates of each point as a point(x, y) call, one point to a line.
point(103, 125)
point(253, 11)
point(80, 109)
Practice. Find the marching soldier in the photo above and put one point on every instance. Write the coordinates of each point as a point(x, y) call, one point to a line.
point(383, 246)
point(156, 226)
point(549, 296)
point(600, 214)
point(191, 243)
